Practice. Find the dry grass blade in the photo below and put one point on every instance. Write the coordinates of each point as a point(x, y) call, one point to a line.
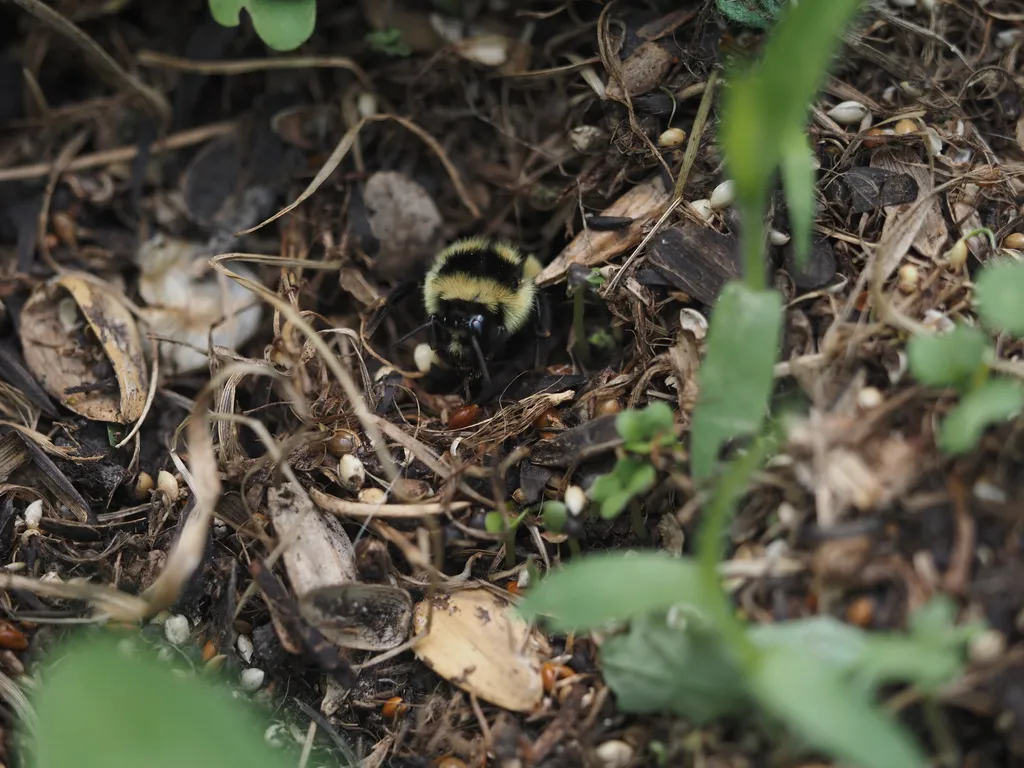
point(346, 508)
point(110, 602)
point(345, 145)
point(244, 66)
point(101, 61)
point(344, 378)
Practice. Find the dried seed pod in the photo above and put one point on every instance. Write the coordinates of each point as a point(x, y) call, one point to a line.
point(94, 366)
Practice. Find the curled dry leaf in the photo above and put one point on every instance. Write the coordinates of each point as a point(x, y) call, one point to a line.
point(403, 220)
point(186, 303)
point(82, 344)
point(643, 203)
point(642, 71)
point(477, 643)
point(321, 565)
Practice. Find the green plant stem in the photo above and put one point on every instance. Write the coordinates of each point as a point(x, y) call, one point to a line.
point(752, 243)
point(710, 548)
point(637, 518)
point(581, 347)
point(574, 547)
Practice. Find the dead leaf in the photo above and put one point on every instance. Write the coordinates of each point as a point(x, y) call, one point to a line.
point(84, 347)
point(643, 203)
point(477, 643)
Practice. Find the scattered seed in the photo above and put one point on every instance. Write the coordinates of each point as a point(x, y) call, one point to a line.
point(956, 257)
point(143, 485)
point(614, 754)
point(876, 137)
point(1014, 241)
point(425, 357)
point(372, 496)
point(848, 112)
point(167, 484)
point(34, 513)
point(723, 195)
point(12, 638)
point(176, 629)
point(245, 648)
point(777, 238)
point(703, 209)
point(464, 416)
point(987, 647)
point(252, 679)
point(904, 127)
point(351, 472)
point(341, 442)
point(869, 397)
point(672, 138)
point(575, 500)
point(861, 612)
point(394, 707)
point(907, 278)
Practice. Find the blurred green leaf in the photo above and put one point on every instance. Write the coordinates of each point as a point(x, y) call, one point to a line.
point(997, 296)
point(639, 429)
point(994, 401)
point(949, 359)
point(816, 701)
point(735, 379)
point(283, 25)
point(630, 477)
point(594, 590)
point(102, 707)
point(798, 185)
point(494, 522)
point(554, 514)
point(677, 665)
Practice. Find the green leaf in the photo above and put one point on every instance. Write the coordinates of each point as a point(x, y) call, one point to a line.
point(100, 706)
point(994, 401)
point(798, 183)
point(758, 14)
point(555, 515)
point(283, 25)
point(772, 100)
point(735, 379)
point(997, 293)
point(494, 522)
point(676, 663)
point(815, 700)
point(630, 477)
point(949, 359)
point(594, 590)
point(641, 427)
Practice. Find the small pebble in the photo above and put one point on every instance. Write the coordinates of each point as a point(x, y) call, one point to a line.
point(614, 754)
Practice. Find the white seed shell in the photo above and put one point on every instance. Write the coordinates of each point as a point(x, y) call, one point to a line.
point(848, 112)
point(723, 195)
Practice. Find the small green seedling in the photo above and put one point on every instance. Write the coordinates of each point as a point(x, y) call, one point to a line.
point(643, 433)
point(283, 25)
point(961, 359)
point(388, 42)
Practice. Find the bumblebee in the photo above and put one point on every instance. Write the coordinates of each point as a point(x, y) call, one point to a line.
point(478, 294)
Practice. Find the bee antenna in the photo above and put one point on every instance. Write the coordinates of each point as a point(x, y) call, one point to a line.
point(415, 331)
point(480, 359)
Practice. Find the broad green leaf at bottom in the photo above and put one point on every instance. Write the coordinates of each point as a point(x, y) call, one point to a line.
point(735, 379)
point(818, 704)
point(595, 590)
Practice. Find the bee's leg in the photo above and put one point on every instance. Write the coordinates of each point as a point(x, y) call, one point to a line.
point(542, 328)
